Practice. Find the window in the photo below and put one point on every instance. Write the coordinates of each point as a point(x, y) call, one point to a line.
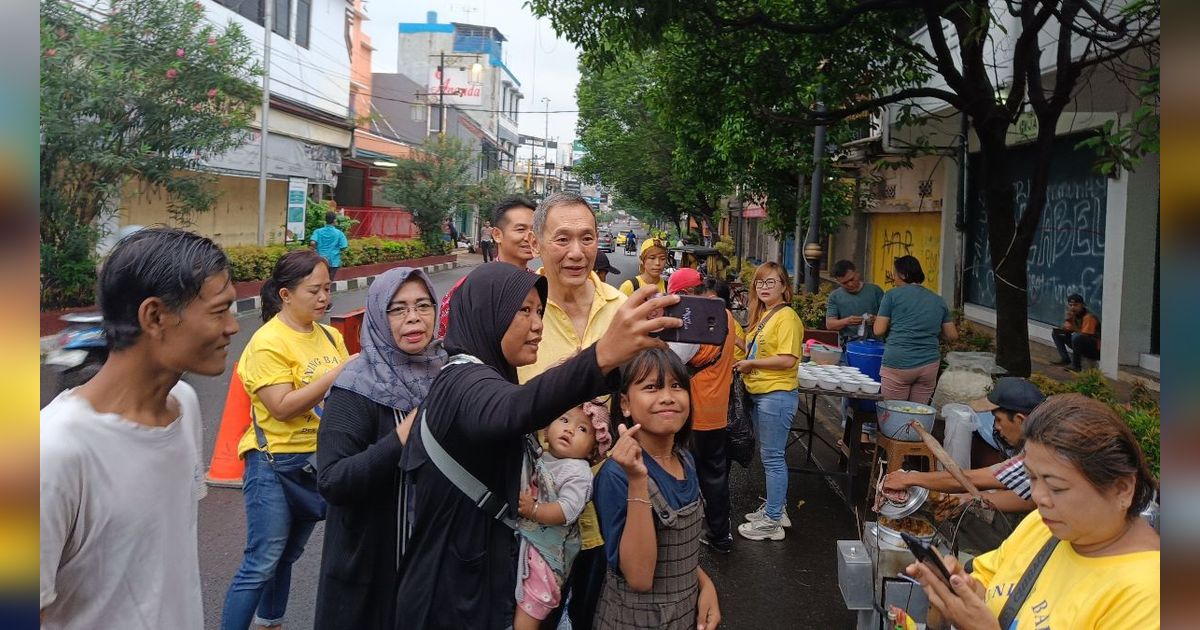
point(250, 9)
point(417, 113)
point(282, 17)
point(303, 21)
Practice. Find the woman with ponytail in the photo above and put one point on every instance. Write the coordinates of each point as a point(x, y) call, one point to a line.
point(287, 368)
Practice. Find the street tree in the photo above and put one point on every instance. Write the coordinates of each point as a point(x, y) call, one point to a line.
point(1057, 47)
point(432, 183)
point(139, 92)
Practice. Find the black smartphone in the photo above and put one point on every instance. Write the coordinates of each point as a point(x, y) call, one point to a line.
point(703, 318)
point(924, 553)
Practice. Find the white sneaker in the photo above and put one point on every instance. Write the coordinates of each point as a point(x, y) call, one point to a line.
point(761, 513)
point(764, 529)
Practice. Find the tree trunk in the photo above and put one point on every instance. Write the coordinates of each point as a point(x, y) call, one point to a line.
point(1008, 258)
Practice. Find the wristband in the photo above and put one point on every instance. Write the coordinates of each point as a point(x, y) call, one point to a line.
point(633, 499)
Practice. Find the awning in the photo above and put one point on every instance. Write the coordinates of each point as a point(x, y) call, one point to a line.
point(286, 157)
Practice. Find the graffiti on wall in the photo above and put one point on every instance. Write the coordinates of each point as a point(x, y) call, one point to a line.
point(905, 234)
point(1067, 255)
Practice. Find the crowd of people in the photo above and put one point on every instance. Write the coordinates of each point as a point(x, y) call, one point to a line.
point(525, 448)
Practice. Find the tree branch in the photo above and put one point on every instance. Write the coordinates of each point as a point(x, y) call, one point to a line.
point(933, 20)
point(760, 19)
point(814, 117)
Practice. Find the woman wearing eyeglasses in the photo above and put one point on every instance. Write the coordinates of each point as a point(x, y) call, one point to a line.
point(773, 344)
point(366, 422)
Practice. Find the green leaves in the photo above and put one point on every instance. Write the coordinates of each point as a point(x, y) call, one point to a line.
point(138, 94)
point(435, 181)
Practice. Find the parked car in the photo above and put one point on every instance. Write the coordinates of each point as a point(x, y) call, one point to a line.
point(606, 242)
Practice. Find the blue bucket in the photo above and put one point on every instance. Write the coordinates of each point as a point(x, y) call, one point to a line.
point(867, 356)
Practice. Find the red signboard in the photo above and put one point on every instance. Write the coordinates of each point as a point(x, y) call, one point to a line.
point(755, 211)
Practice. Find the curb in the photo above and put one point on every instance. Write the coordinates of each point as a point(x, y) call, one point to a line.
point(249, 304)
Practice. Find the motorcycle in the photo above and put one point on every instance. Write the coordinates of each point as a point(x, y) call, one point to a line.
point(81, 350)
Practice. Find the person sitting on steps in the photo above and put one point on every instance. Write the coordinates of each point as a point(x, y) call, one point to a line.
point(1080, 332)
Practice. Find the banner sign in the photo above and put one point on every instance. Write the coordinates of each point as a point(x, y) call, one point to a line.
point(296, 196)
point(454, 86)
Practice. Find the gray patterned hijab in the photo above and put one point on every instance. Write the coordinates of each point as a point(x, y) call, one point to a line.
point(384, 373)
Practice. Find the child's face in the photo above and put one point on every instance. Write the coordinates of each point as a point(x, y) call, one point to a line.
point(660, 410)
point(571, 435)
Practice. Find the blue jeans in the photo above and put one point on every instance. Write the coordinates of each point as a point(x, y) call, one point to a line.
point(274, 541)
point(772, 416)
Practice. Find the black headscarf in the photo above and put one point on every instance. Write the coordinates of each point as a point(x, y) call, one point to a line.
point(484, 306)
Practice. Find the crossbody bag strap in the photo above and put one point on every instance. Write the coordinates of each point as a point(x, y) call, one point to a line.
point(1024, 586)
point(328, 335)
point(696, 369)
point(637, 284)
point(763, 324)
point(260, 437)
point(480, 495)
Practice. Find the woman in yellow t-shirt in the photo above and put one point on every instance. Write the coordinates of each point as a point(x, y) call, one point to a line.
point(287, 368)
point(653, 257)
point(772, 350)
point(1090, 484)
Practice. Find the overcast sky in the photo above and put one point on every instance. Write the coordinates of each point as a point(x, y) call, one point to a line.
point(544, 64)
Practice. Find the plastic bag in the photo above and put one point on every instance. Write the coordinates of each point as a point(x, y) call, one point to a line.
point(960, 424)
point(739, 434)
point(968, 377)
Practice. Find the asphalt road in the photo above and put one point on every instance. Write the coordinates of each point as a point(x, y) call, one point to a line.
point(785, 584)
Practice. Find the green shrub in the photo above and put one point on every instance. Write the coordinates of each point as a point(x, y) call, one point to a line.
point(251, 262)
point(1146, 425)
point(811, 307)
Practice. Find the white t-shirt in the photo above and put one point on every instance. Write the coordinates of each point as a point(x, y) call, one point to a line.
point(118, 517)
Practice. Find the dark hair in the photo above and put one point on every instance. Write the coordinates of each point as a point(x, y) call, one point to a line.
point(162, 262)
point(330, 217)
point(721, 288)
point(1090, 435)
point(290, 269)
point(660, 363)
point(500, 212)
point(841, 268)
point(909, 270)
point(1075, 297)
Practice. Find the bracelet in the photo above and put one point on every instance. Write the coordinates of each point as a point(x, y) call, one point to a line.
point(533, 514)
point(632, 499)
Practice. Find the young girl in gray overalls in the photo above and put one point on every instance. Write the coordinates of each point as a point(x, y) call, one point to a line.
point(647, 498)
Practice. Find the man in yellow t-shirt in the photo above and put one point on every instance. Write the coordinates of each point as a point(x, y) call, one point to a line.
point(579, 309)
point(1119, 591)
point(278, 354)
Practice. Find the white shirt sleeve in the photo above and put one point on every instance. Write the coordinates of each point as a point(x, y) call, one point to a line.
point(685, 351)
point(59, 505)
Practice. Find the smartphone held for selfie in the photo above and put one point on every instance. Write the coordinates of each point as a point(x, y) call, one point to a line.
point(924, 553)
point(703, 318)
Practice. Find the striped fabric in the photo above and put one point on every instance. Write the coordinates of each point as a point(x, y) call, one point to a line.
point(671, 602)
point(1011, 473)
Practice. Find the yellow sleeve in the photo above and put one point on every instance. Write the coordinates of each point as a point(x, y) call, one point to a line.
point(739, 353)
point(788, 336)
point(626, 288)
point(984, 566)
point(265, 364)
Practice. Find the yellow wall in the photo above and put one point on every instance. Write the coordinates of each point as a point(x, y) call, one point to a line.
point(233, 219)
point(895, 234)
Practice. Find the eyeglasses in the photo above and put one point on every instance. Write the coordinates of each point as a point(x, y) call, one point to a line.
point(402, 310)
point(769, 283)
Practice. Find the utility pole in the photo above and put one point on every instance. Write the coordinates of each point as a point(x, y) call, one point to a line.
point(546, 150)
point(263, 126)
point(442, 94)
point(812, 249)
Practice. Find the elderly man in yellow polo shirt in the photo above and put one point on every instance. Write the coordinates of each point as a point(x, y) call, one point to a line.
point(579, 308)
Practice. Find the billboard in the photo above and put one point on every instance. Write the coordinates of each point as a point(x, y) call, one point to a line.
point(455, 86)
point(296, 196)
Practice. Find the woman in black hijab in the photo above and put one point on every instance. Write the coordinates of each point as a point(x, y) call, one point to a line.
point(459, 565)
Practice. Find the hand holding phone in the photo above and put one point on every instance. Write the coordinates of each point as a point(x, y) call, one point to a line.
point(703, 318)
point(926, 554)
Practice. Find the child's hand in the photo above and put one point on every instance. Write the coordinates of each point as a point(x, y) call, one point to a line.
point(628, 452)
point(525, 504)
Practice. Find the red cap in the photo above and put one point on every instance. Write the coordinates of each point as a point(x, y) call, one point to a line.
point(684, 279)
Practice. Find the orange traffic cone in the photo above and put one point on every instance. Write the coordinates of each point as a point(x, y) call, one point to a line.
point(225, 469)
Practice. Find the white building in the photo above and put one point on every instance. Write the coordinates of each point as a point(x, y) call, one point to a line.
point(309, 119)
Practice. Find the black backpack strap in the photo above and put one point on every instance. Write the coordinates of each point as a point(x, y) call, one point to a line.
point(637, 284)
point(1024, 586)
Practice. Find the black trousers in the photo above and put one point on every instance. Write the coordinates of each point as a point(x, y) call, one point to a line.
point(1079, 344)
point(712, 470)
